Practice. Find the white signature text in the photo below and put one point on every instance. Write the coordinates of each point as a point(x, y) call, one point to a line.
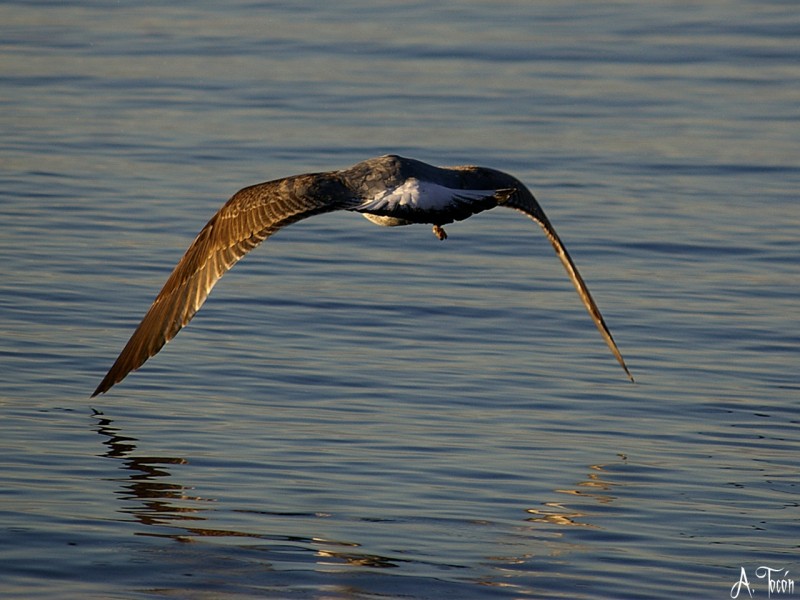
point(778, 582)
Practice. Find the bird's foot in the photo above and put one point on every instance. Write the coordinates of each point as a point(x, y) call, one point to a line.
point(439, 232)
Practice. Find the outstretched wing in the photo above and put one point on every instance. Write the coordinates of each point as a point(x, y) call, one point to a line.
point(524, 202)
point(247, 219)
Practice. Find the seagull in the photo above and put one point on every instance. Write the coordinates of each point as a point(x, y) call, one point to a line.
point(389, 191)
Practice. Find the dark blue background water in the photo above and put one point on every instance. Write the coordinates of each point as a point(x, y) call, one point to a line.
point(363, 412)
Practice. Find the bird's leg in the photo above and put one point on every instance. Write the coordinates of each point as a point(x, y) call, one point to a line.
point(439, 232)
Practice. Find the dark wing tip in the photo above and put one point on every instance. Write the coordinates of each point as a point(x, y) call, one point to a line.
point(104, 386)
point(145, 342)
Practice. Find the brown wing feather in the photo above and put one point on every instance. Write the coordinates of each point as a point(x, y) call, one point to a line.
point(524, 202)
point(246, 220)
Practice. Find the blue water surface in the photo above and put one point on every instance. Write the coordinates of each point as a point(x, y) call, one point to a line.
point(363, 412)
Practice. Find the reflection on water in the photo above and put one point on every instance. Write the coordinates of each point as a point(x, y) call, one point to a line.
point(156, 504)
point(155, 498)
point(558, 513)
point(149, 492)
point(169, 510)
point(359, 560)
point(592, 484)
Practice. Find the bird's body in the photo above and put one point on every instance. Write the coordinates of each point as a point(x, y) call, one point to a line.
point(388, 190)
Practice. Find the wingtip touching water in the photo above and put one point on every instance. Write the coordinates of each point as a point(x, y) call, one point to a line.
point(388, 190)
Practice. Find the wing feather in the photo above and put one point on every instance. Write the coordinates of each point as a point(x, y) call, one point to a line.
point(524, 202)
point(247, 219)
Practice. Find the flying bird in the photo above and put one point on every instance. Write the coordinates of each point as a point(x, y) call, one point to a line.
point(388, 190)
